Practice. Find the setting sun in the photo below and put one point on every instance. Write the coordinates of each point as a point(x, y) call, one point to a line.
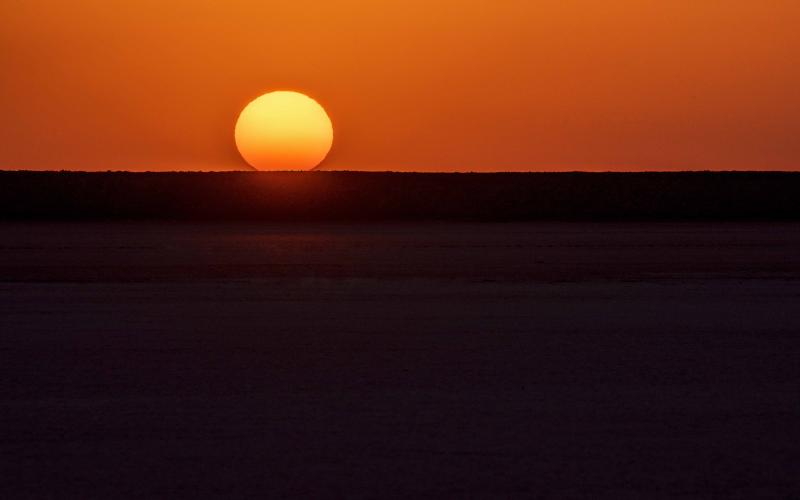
point(284, 131)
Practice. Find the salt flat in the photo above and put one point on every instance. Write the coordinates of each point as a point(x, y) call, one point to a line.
point(550, 359)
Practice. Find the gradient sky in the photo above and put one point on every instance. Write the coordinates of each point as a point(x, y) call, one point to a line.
point(409, 84)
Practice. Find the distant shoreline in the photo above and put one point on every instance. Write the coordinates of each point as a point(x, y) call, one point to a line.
point(344, 196)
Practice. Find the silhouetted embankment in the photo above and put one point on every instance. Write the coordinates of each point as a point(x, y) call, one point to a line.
point(366, 196)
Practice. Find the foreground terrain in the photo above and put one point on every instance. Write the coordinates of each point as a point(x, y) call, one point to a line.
point(558, 360)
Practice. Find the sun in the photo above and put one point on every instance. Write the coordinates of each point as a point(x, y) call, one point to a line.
point(284, 130)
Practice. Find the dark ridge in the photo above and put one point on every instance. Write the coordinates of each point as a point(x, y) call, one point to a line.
point(367, 196)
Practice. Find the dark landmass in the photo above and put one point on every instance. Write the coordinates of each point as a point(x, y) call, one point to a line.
point(619, 336)
point(364, 196)
point(523, 360)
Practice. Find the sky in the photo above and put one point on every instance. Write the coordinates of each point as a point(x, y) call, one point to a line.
point(410, 85)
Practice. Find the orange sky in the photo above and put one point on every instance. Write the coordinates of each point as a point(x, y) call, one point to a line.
point(409, 84)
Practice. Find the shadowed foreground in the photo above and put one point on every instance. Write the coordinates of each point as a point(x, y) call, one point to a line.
point(381, 197)
point(438, 360)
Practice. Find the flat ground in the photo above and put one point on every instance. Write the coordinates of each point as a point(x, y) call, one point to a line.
point(552, 360)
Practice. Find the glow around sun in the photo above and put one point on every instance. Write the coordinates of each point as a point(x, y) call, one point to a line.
point(284, 130)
